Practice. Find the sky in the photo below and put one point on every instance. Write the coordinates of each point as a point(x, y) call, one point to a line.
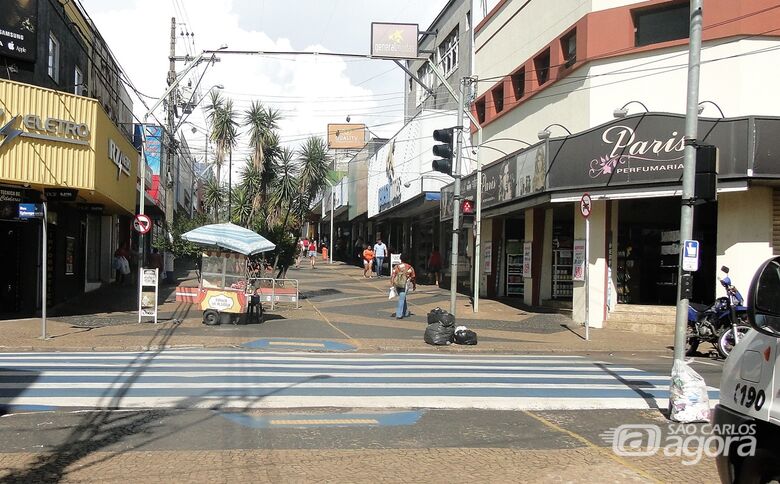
point(310, 91)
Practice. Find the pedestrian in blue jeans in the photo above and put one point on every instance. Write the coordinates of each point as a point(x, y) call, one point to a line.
point(403, 278)
point(380, 251)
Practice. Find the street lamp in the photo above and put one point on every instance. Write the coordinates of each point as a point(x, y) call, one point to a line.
point(701, 107)
point(422, 176)
point(623, 112)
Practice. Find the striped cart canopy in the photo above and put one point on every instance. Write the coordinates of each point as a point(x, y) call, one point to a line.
point(229, 236)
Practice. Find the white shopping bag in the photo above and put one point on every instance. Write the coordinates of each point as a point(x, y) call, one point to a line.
point(393, 293)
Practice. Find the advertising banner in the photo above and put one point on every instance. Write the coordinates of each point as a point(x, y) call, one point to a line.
point(18, 29)
point(346, 136)
point(394, 41)
point(578, 261)
point(527, 259)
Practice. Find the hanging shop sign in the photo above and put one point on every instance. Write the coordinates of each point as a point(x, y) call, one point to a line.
point(346, 136)
point(394, 41)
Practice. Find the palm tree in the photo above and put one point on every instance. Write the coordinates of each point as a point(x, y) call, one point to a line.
point(224, 132)
point(241, 206)
point(262, 123)
point(214, 197)
point(315, 163)
point(286, 187)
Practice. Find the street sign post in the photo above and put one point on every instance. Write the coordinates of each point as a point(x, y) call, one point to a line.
point(586, 207)
point(142, 223)
point(690, 260)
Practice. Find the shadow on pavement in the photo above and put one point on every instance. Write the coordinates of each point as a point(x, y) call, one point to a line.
point(105, 427)
point(21, 379)
point(634, 385)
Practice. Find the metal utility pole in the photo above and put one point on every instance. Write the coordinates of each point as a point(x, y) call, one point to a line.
point(689, 175)
point(457, 133)
point(170, 202)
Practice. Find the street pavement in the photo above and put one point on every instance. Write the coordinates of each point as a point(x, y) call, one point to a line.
point(259, 379)
point(338, 305)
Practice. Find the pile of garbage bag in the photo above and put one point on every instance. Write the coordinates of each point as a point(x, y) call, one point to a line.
point(441, 330)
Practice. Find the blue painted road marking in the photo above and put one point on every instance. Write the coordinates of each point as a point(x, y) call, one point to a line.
point(299, 345)
point(378, 419)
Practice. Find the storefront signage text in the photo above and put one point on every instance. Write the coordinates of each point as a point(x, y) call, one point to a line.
point(121, 160)
point(625, 148)
point(58, 127)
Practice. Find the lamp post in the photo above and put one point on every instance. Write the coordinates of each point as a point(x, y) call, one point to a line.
point(623, 112)
point(701, 107)
point(171, 86)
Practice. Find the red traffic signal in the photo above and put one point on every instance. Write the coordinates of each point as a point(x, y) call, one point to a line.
point(467, 207)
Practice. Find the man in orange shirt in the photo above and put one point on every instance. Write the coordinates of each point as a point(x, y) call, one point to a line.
point(368, 260)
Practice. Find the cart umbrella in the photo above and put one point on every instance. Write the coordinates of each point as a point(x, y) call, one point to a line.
point(229, 237)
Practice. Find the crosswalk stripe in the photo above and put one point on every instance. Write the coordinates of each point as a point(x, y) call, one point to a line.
point(192, 378)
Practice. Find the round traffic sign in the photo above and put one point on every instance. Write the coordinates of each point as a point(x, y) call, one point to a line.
point(586, 205)
point(142, 223)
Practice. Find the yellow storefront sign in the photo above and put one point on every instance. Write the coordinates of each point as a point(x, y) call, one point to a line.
point(54, 139)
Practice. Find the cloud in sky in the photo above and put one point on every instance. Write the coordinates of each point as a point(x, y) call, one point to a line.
point(311, 91)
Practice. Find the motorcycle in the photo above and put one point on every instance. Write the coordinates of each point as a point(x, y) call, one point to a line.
point(723, 324)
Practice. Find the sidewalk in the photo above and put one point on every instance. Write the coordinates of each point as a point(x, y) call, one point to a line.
point(338, 304)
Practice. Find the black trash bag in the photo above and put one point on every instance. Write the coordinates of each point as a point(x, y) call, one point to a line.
point(439, 334)
point(438, 315)
point(465, 337)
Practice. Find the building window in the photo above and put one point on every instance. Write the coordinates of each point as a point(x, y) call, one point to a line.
point(542, 66)
point(448, 53)
point(663, 24)
point(54, 58)
point(518, 84)
point(480, 105)
point(498, 97)
point(569, 48)
point(425, 75)
point(78, 82)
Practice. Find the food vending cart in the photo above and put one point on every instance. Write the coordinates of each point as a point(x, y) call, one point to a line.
point(226, 292)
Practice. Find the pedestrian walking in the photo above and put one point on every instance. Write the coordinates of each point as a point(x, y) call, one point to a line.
point(434, 264)
point(156, 261)
point(380, 252)
point(121, 263)
point(403, 279)
point(301, 248)
point(312, 252)
point(368, 260)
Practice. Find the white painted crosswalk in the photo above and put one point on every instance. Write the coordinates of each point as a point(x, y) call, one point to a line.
point(251, 379)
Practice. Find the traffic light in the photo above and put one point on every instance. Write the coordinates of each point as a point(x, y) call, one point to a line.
point(443, 151)
point(466, 213)
point(706, 188)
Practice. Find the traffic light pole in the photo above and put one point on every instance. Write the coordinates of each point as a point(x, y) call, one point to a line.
point(689, 174)
point(457, 132)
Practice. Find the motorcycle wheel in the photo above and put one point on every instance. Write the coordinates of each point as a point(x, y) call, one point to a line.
point(726, 339)
point(691, 342)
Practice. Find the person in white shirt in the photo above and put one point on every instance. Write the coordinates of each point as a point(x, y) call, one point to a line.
point(380, 251)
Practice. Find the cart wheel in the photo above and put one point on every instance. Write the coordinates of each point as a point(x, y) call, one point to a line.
point(210, 317)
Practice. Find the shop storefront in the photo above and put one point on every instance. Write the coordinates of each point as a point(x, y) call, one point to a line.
point(64, 149)
point(632, 170)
